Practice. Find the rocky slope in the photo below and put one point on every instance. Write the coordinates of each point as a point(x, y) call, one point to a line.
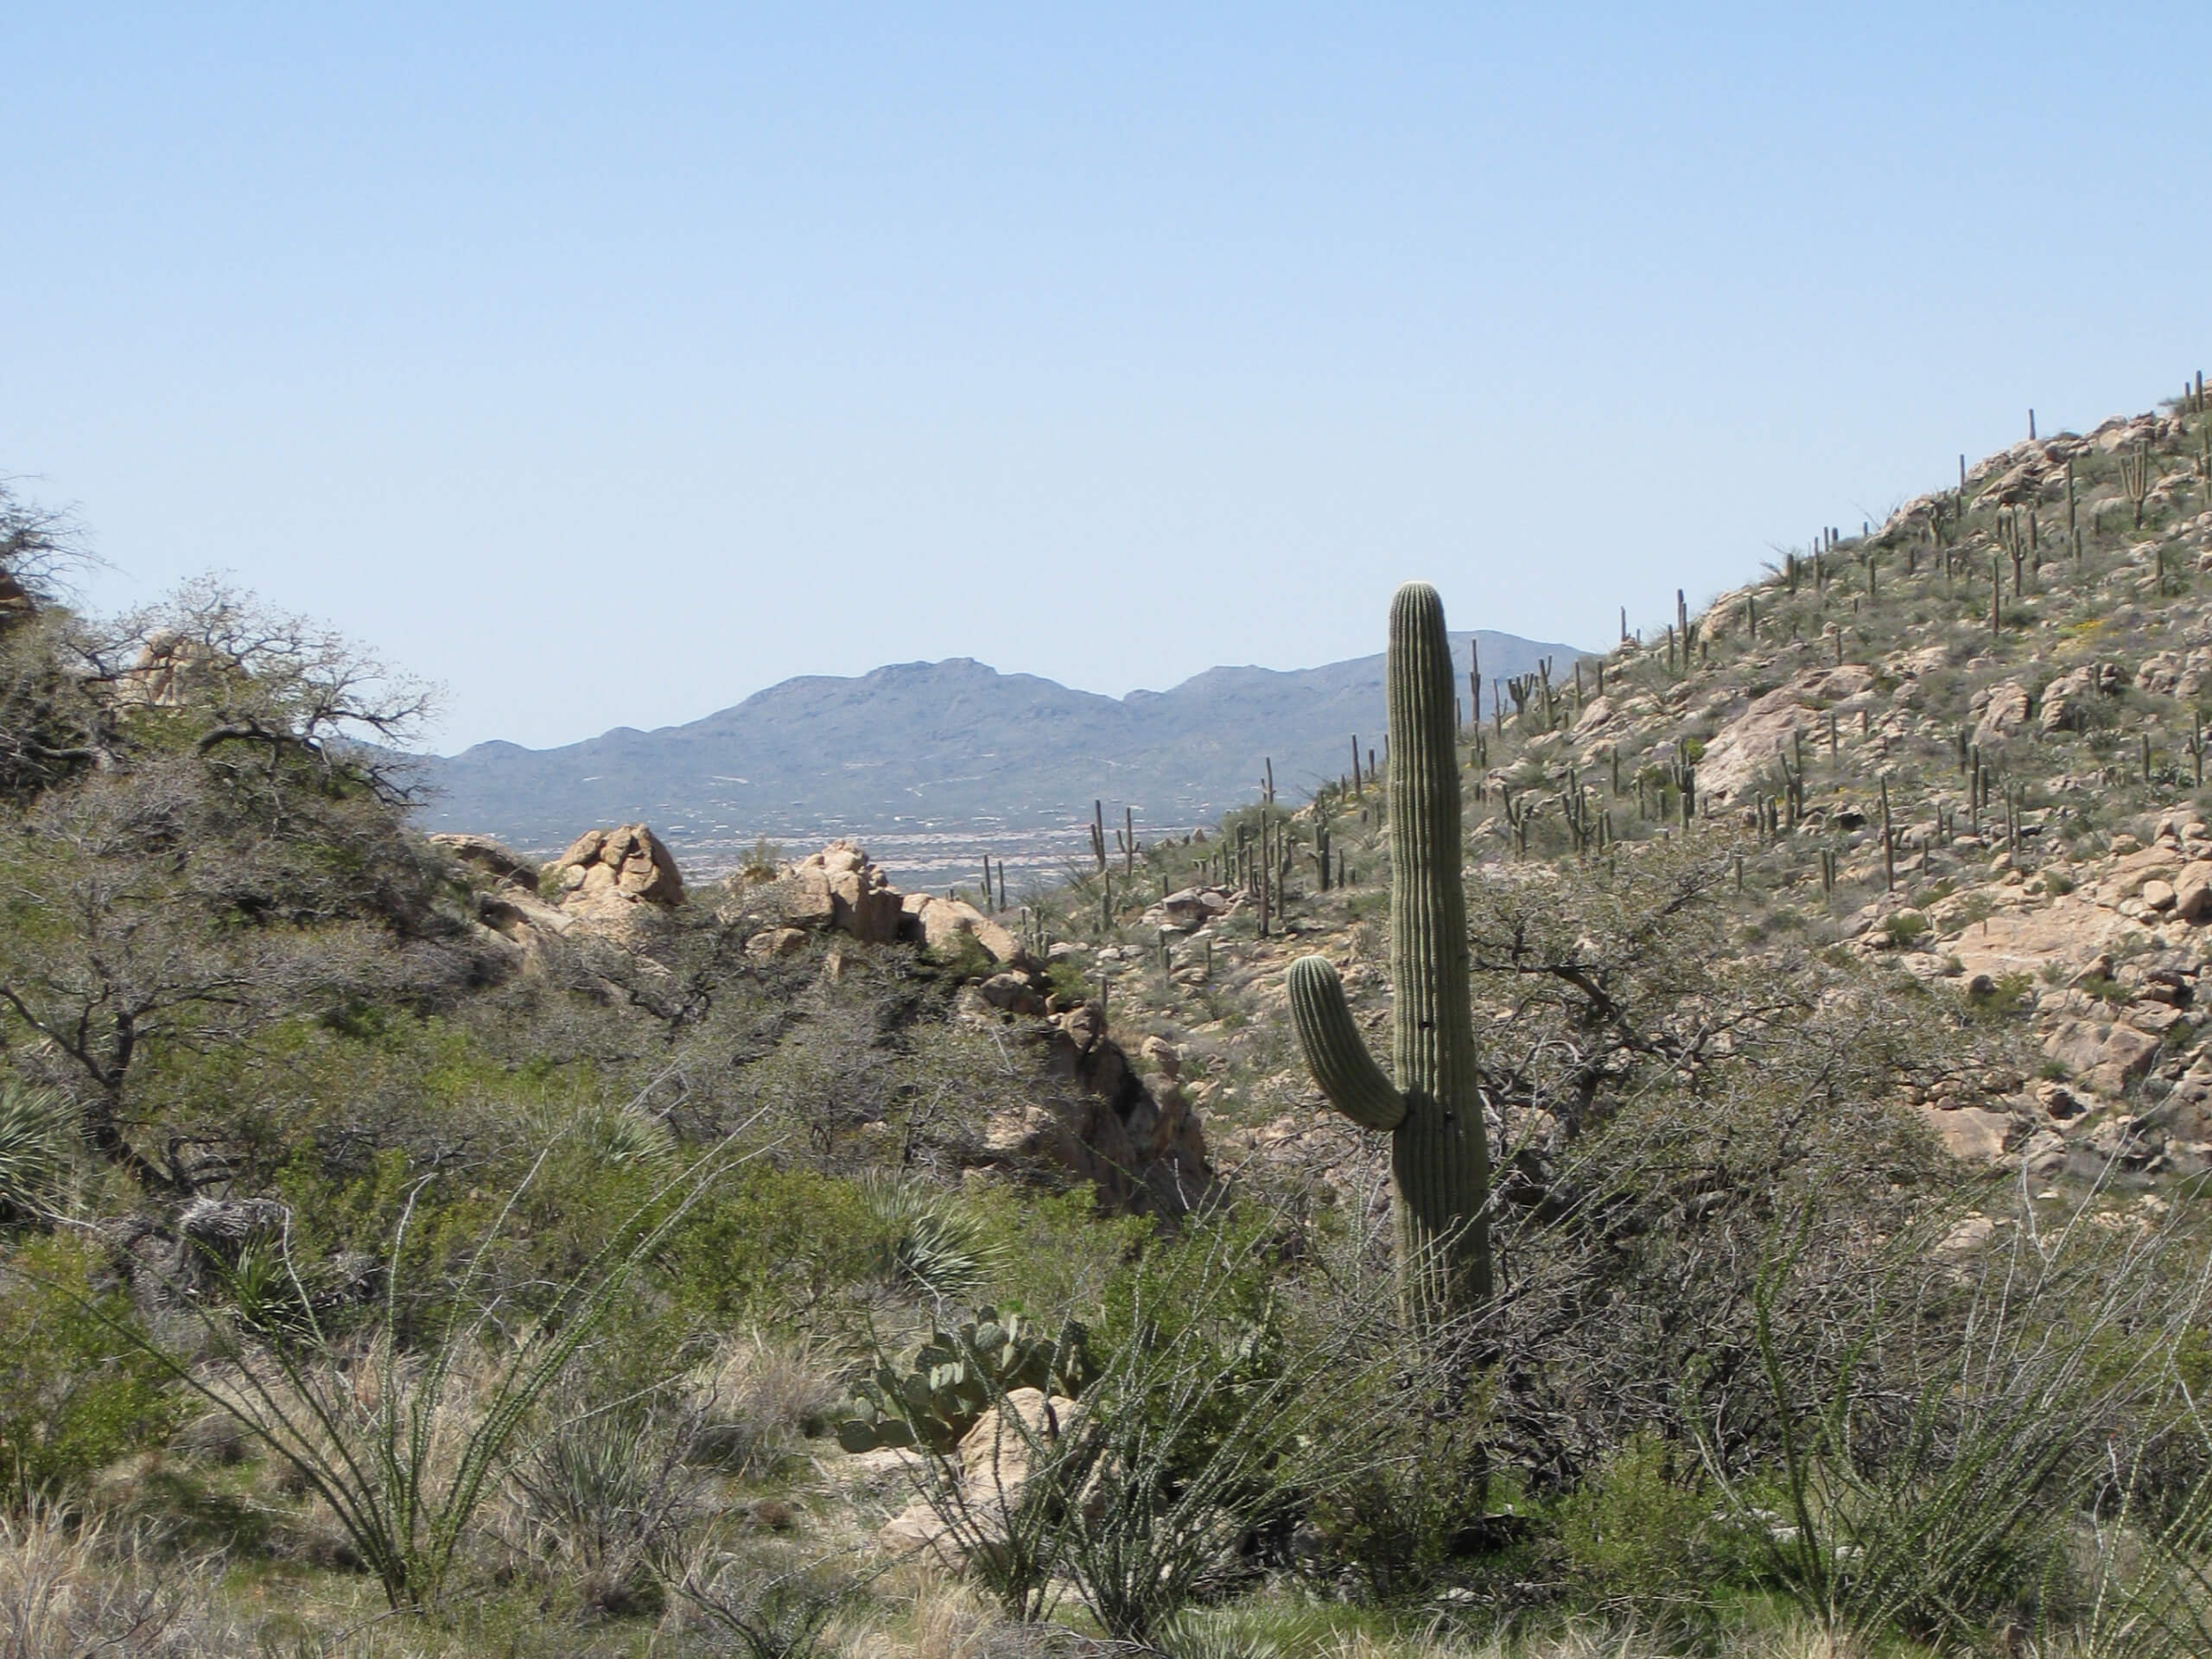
point(1967, 746)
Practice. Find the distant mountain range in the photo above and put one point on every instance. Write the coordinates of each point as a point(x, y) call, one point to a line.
point(931, 764)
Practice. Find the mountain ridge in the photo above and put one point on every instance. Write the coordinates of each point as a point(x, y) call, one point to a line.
point(934, 762)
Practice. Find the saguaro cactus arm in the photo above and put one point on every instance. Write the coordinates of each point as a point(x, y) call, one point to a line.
point(1334, 1050)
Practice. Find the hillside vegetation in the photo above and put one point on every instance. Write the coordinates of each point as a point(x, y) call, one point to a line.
point(411, 1249)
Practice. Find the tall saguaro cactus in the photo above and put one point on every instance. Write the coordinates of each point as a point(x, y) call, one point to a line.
point(1440, 1157)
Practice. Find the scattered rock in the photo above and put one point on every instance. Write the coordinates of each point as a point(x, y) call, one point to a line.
point(774, 942)
point(2107, 1057)
point(1193, 908)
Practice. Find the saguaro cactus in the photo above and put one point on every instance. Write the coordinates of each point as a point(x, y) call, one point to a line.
point(1440, 1158)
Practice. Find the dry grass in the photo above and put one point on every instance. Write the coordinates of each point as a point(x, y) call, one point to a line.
point(756, 1396)
point(927, 1614)
point(71, 1589)
point(1579, 1641)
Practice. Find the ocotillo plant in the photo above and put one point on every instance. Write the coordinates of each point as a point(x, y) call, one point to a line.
point(1440, 1157)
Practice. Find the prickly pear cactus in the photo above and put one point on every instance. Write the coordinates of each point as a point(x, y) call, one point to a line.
point(951, 1380)
point(1440, 1157)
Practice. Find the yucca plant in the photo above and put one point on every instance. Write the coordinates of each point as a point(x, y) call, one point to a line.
point(38, 1146)
point(609, 1491)
point(924, 1245)
point(403, 1447)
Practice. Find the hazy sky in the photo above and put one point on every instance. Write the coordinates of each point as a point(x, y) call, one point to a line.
point(609, 364)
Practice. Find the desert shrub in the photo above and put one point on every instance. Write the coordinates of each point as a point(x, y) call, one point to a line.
point(1947, 1410)
point(778, 1610)
point(1903, 927)
point(1407, 1522)
point(965, 958)
point(76, 1393)
point(1050, 1255)
point(771, 1241)
point(1216, 1412)
point(608, 1493)
point(1644, 1162)
point(1637, 1534)
point(403, 1443)
point(2006, 996)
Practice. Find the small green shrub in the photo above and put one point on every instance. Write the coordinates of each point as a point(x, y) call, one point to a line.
point(963, 957)
point(2006, 995)
point(763, 861)
point(75, 1394)
point(1636, 1534)
point(1064, 978)
point(771, 1241)
point(1400, 1525)
point(1904, 926)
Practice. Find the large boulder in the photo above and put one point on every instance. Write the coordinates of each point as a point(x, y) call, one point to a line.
point(626, 865)
point(482, 855)
point(942, 923)
point(2193, 893)
point(2000, 711)
point(2106, 1056)
point(2066, 699)
point(992, 1461)
point(1748, 746)
point(1191, 908)
point(619, 884)
point(1972, 1135)
point(841, 887)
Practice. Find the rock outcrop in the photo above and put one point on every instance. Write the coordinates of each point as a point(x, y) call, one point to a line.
point(1095, 1115)
point(841, 887)
point(1748, 747)
point(1141, 1145)
point(482, 855)
point(618, 884)
point(605, 870)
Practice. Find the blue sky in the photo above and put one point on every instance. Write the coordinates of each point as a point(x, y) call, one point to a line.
point(610, 364)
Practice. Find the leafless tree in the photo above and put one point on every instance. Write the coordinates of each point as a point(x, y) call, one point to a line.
point(280, 688)
point(209, 836)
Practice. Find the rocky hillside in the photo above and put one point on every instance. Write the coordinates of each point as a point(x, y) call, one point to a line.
point(934, 763)
point(1961, 754)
